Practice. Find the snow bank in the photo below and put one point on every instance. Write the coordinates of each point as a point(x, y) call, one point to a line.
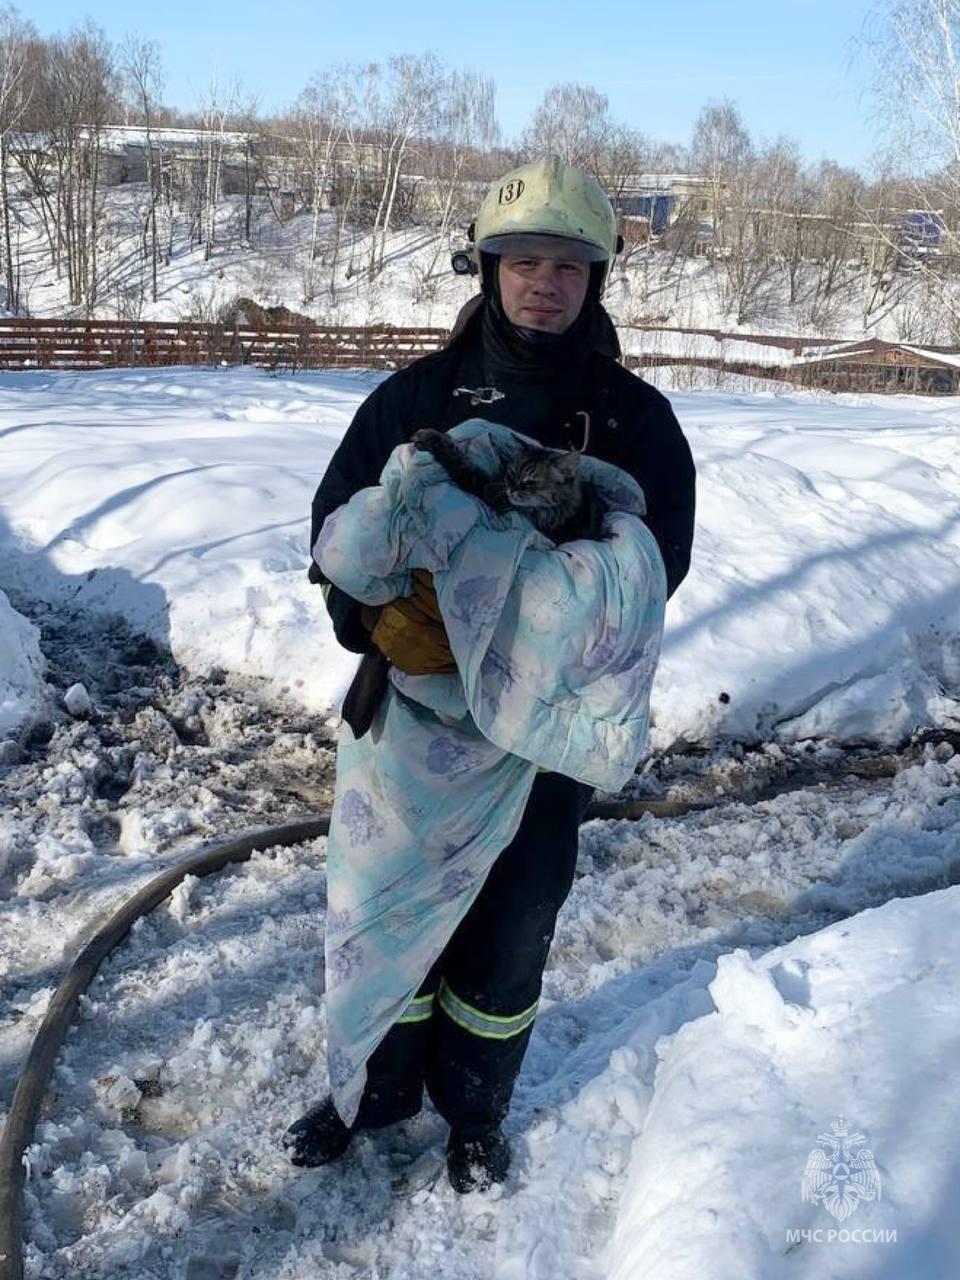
point(21, 668)
point(180, 499)
point(853, 1023)
point(823, 600)
point(824, 596)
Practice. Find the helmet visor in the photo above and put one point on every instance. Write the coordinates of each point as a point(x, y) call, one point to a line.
point(543, 245)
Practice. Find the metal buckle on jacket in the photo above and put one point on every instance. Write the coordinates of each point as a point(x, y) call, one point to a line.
point(481, 395)
point(581, 413)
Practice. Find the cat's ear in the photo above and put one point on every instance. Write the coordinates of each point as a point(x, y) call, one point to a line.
point(523, 453)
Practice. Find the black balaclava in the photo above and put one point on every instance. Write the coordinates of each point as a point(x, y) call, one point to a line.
point(524, 354)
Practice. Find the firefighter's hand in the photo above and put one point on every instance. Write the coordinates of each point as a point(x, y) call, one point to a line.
point(410, 632)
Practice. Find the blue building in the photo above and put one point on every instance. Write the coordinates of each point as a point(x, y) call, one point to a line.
point(921, 232)
point(655, 207)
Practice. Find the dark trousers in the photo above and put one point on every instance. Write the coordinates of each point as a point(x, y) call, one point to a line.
point(465, 1035)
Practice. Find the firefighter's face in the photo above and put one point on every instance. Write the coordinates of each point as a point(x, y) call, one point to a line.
point(543, 293)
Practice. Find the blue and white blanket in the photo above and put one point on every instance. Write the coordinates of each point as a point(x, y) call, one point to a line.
point(556, 648)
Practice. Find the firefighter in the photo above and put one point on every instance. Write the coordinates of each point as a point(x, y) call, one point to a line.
point(537, 352)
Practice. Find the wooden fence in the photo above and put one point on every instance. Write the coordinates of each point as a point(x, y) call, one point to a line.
point(874, 377)
point(776, 372)
point(788, 343)
point(110, 344)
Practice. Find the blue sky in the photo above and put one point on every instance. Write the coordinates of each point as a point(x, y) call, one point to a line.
point(791, 68)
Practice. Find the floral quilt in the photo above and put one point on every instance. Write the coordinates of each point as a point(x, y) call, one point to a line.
point(556, 649)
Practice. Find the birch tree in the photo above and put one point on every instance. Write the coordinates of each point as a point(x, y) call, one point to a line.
point(573, 122)
point(217, 107)
point(720, 152)
point(407, 109)
point(916, 49)
point(16, 90)
point(141, 69)
point(322, 121)
point(467, 127)
point(746, 260)
point(77, 92)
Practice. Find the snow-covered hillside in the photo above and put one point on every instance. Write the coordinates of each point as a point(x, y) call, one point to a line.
point(725, 986)
point(418, 287)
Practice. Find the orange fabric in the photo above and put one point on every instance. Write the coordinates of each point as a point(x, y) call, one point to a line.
point(410, 632)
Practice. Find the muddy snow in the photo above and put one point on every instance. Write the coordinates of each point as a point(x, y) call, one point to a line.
point(726, 984)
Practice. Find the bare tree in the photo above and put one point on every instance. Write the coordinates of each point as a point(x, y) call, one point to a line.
point(254, 162)
point(143, 76)
point(573, 122)
point(623, 155)
point(746, 260)
point(216, 108)
point(841, 243)
point(722, 155)
point(348, 184)
point(74, 96)
point(322, 120)
point(407, 108)
point(783, 193)
point(15, 93)
point(720, 152)
point(467, 124)
point(916, 48)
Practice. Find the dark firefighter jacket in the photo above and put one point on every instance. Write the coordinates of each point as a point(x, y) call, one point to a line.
point(630, 424)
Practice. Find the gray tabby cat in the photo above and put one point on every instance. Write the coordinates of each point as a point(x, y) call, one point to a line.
point(542, 484)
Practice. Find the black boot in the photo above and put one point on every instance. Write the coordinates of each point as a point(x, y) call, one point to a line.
point(477, 1159)
point(318, 1137)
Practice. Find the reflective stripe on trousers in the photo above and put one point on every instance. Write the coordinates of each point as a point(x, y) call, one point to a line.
point(420, 1009)
point(468, 1059)
point(488, 1026)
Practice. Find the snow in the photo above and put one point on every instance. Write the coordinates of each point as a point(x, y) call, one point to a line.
point(942, 357)
point(853, 1021)
point(179, 500)
point(723, 985)
point(826, 560)
point(690, 1048)
point(822, 602)
point(77, 700)
point(666, 343)
point(21, 668)
point(417, 287)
